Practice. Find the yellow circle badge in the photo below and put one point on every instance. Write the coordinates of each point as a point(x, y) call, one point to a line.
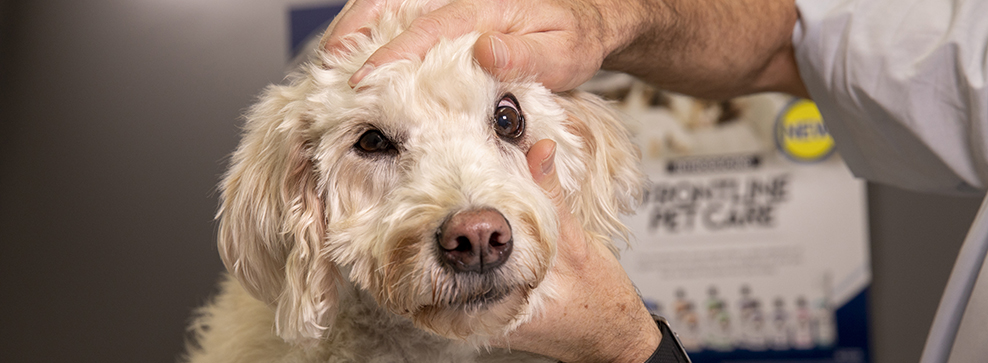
point(800, 133)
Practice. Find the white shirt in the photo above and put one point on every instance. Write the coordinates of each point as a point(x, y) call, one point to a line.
point(902, 88)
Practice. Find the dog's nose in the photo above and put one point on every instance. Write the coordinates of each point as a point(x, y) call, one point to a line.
point(475, 240)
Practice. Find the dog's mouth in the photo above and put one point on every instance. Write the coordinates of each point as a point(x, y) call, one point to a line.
point(485, 298)
point(484, 311)
point(474, 292)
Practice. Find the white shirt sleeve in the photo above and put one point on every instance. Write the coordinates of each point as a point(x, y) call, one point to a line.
point(902, 88)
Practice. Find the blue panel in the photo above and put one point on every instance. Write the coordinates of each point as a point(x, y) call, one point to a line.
point(852, 342)
point(308, 21)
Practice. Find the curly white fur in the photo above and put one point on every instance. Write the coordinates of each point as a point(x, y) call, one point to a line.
point(332, 254)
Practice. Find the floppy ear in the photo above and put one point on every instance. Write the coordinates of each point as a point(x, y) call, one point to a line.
point(613, 183)
point(272, 221)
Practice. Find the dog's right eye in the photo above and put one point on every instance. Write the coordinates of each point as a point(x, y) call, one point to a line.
point(508, 120)
point(373, 141)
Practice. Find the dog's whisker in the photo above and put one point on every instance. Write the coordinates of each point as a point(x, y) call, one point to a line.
point(435, 286)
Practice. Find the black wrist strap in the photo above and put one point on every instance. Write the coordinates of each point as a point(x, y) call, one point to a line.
point(670, 350)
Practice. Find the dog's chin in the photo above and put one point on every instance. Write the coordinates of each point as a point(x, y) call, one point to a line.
point(487, 313)
point(482, 299)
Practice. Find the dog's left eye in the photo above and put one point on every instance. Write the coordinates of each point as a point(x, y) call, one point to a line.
point(373, 141)
point(508, 120)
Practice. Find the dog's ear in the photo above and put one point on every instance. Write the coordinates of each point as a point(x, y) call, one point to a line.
point(612, 182)
point(272, 221)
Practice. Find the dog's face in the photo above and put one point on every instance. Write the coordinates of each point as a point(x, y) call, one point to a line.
point(414, 187)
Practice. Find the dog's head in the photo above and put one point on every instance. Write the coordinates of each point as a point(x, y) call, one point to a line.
point(415, 188)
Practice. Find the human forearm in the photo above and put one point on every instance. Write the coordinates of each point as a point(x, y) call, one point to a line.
point(713, 48)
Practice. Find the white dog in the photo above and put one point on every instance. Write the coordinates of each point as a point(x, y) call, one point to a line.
point(398, 221)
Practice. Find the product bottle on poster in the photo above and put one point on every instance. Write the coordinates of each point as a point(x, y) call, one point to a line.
point(750, 321)
point(803, 334)
point(780, 332)
point(825, 328)
point(686, 322)
point(718, 330)
point(758, 339)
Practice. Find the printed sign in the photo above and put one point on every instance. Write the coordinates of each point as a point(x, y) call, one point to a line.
point(752, 238)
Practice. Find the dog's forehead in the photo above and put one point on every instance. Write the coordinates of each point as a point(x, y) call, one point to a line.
point(447, 86)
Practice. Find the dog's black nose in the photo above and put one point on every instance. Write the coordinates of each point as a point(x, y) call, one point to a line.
point(476, 240)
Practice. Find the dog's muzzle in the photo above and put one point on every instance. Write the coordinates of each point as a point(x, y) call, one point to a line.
point(475, 241)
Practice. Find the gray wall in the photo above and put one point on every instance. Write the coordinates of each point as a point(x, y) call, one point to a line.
point(115, 121)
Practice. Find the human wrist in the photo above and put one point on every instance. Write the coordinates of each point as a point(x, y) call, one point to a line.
point(625, 332)
point(614, 324)
point(635, 345)
point(644, 340)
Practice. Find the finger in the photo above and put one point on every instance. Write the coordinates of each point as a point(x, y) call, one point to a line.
point(542, 164)
point(354, 15)
point(425, 31)
point(552, 57)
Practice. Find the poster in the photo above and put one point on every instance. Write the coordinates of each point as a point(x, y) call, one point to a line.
point(752, 238)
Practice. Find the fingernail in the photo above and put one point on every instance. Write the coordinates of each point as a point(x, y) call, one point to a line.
point(500, 52)
point(359, 75)
point(549, 163)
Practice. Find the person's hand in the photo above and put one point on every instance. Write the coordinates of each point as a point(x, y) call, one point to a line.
point(708, 48)
point(598, 316)
point(560, 43)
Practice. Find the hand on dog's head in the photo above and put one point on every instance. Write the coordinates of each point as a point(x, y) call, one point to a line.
point(334, 190)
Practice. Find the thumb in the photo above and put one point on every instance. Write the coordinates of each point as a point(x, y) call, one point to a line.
point(542, 164)
point(511, 57)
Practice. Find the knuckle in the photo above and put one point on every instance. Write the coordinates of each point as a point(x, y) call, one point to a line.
point(426, 26)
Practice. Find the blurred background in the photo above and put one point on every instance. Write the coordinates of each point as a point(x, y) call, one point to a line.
point(116, 120)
